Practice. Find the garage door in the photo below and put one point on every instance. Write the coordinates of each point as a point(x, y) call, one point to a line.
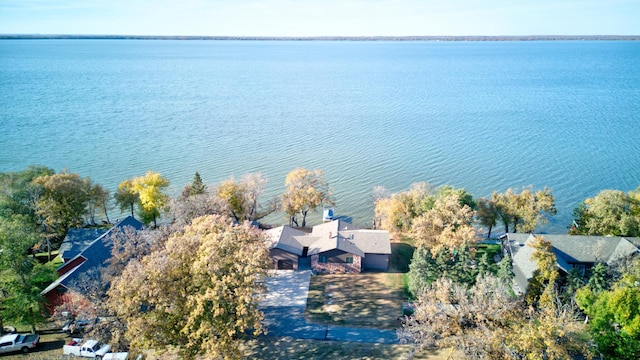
point(285, 265)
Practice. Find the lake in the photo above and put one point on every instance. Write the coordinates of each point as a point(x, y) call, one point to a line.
point(480, 115)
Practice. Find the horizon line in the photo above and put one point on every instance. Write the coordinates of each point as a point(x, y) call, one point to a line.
point(322, 37)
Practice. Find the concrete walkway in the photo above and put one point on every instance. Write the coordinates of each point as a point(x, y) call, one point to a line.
point(284, 308)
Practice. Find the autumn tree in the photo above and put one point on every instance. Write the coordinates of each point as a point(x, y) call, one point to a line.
point(397, 211)
point(549, 332)
point(524, 210)
point(446, 224)
point(196, 295)
point(126, 196)
point(242, 198)
point(151, 198)
point(22, 277)
point(305, 190)
point(542, 286)
point(63, 201)
point(472, 321)
point(610, 212)
point(485, 321)
point(184, 209)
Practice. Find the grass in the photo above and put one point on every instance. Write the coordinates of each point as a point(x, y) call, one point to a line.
point(359, 300)
point(490, 249)
point(287, 348)
point(401, 254)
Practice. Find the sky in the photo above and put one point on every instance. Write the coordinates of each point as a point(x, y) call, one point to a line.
point(320, 17)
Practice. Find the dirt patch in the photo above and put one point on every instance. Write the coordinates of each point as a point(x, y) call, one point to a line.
point(359, 300)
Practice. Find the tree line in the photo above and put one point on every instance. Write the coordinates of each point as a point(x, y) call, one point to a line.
point(465, 301)
point(197, 274)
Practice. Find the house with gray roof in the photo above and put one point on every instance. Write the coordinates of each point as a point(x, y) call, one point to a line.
point(572, 251)
point(335, 246)
point(90, 258)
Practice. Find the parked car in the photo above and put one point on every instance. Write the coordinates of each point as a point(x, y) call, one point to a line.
point(92, 349)
point(18, 342)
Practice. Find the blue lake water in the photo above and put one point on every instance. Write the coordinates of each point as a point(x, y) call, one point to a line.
point(480, 115)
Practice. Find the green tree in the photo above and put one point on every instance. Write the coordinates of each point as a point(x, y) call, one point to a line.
point(197, 187)
point(525, 209)
point(63, 202)
point(151, 198)
point(126, 196)
point(306, 190)
point(614, 315)
point(198, 292)
point(98, 201)
point(610, 212)
point(485, 265)
point(22, 278)
point(505, 269)
point(574, 281)
point(423, 270)
point(18, 194)
point(598, 279)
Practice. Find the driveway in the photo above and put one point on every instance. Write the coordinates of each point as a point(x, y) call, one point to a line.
point(287, 288)
point(284, 307)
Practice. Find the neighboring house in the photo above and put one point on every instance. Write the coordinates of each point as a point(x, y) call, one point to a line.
point(76, 241)
point(572, 251)
point(335, 246)
point(88, 257)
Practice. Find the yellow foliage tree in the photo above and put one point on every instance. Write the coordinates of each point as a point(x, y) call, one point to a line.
point(396, 213)
point(525, 209)
point(147, 190)
point(305, 190)
point(198, 294)
point(542, 291)
point(447, 224)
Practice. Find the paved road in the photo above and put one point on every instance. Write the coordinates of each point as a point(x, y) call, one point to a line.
point(284, 308)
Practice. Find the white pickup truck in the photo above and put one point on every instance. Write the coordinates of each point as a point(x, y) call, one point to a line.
point(92, 349)
point(18, 342)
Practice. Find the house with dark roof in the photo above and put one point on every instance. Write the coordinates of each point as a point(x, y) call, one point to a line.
point(77, 240)
point(335, 246)
point(88, 257)
point(572, 251)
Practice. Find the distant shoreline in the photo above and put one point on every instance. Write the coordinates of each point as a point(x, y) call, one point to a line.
point(326, 38)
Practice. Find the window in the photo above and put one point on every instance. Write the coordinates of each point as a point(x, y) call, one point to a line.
point(349, 259)
point(323, 259)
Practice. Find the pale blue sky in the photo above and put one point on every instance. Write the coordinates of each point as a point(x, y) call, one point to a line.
point(321, 17)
